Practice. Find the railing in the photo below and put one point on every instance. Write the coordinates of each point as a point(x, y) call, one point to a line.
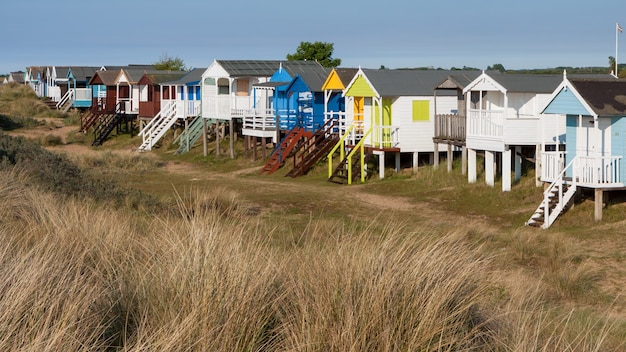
point(338, 116)
point(83, 94)
point(54, 93)
point(153, 128)
point(359, 147)
point(265, 121)
point(598, 171)
point(450, 127)
point(587, 170)
point(486, 123)
point(69, 96)
point(385, 136)
point(552, 163)
point(563, 198)
point(185, 108)
point(342, 150)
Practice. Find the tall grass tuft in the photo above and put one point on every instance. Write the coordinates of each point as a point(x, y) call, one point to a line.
point(208, 277)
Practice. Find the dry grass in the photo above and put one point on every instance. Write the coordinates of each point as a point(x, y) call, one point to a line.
point(209, 277)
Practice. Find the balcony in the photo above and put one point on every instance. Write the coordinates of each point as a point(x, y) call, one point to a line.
point(485, 123)
point(588, 171)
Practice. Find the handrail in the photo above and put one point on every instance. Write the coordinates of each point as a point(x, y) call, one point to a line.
point(548, 191)
point(358, 146)
point(342, 151)
point(67, 97)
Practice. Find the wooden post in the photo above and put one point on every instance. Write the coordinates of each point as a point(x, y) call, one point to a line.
point(489, 168)
point(599, 197)
point(217, 139)
point(518, 163)
point(204, 137)
point(436, 157)
point(231, 127)
point(449, 157)
point(381, 165)
point(263, 148)
point(463, 160)
point(415, 162)
point(538, 158)
point(398, 162)
point(471, 166)
point(254, 148)
point(187, 135)
point(506, 169)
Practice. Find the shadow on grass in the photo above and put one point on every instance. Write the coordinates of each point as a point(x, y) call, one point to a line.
point(8, 124)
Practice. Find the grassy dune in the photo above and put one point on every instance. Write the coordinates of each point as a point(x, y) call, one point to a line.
point(106, 250)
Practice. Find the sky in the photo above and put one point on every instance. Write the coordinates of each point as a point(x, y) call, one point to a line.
point(370, 34)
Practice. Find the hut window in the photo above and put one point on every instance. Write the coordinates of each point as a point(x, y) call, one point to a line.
point(223, 87)
point(421, 110)
point(143, 93)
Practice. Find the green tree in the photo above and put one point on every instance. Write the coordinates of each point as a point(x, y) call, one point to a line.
point(318, 51)
point(496, 67)
point(166, 62)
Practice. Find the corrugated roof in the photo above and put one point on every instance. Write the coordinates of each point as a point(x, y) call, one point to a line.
point(607, 97)
point(263, 68)
point(406, 82)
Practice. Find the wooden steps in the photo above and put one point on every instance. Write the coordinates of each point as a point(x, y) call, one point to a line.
point(340, 173)
point(284, 148)
point(313, 149)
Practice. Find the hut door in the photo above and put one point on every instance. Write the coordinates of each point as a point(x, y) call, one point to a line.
point(359, 110)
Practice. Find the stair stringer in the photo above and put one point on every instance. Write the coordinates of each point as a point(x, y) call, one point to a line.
point(158, 126)
point(193, 132)
point(555, 201)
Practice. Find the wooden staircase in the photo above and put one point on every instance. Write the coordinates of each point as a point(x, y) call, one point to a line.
point(66, 101)
point(158, 126)
point(284, 148)
point(189, 136)
point(105, 126)
point(556, 199)
point(349, 169)
point(313, 149)
point(88, 119)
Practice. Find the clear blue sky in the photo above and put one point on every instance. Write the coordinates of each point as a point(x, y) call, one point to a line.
point(393, 33)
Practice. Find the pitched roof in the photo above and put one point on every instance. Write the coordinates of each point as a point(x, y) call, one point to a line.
point(193, 77)
point(403, 82)
point(82, 73)
point(607, 97)
point(107, 77)
point(346, 74)
point(459, 80)
point(535, 83)
point(161, 77)
point(264, 68)
point(17, 77)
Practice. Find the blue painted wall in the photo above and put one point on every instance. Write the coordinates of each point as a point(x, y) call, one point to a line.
point(571, 122)
point(566, 103)
point(618, 142)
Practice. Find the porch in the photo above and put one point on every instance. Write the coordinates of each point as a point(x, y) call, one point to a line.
point(450, 128)
point(585, 171)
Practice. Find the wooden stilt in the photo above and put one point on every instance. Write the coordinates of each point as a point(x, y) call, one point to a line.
point(204, 137)
point(231, 131)
point(599, 198)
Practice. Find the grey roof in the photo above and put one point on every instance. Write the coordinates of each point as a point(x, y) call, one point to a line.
point(459, 80)
point(314, 77)
point(346, 74)
point(162, 76)
point(134, 74)
point(263, 68)
point(18, 76)
point(403, 82)
point(194, 75)
point(534, 83)
point(82, 73)
point(607, 97)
